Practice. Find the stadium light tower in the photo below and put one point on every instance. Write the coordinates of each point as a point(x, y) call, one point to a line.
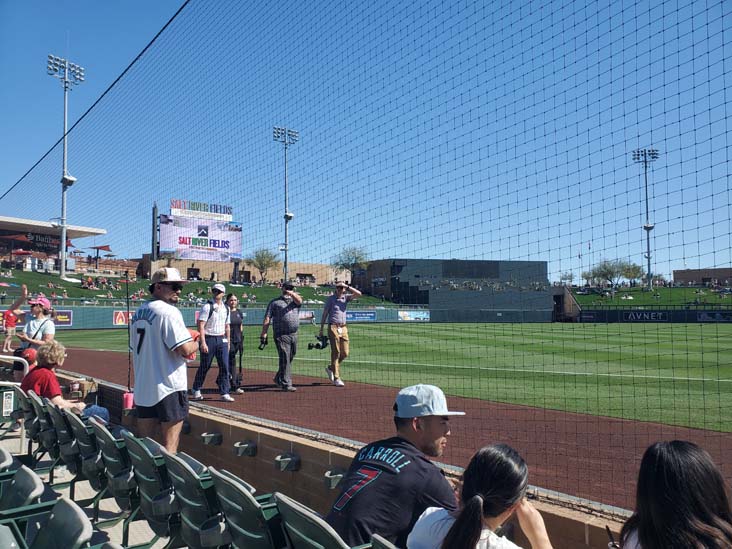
point(646, 156)
point(287, 137)
point(70, 74)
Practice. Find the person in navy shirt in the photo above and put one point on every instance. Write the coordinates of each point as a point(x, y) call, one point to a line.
point(391, 482)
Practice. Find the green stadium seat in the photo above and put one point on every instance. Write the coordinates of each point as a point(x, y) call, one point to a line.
point(305, 529)
point(157, 498)
point(47, 433)
point(202, 522)
point(23, 488)
point(92, 463)
point(6, 460)
point(67, 527)
point(32, 427)
point(251, 521)
point(121, 481)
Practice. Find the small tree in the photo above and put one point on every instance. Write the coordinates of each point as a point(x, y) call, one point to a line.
point(350, 259)
point(263, 260)
point(588, 277)
point(567, 278)
point(610, 271)
point(632, 272)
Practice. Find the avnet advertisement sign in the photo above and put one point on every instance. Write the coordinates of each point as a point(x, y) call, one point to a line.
point(200, 238)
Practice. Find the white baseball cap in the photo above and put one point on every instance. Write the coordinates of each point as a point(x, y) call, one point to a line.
point(167, 274)
point(219, 288)
point(422, 400)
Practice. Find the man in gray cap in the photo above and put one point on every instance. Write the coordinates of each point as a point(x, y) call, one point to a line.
point(391, 482)
point(283, 313)
point(214, 326)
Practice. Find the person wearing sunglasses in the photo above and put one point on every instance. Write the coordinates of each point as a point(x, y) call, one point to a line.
point(160, 343)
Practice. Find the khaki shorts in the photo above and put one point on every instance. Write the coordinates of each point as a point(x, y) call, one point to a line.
point(10, 331)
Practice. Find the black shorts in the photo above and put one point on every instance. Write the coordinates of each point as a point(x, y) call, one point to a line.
point(171, 409)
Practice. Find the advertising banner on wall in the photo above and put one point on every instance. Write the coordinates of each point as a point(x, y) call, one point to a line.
point(414, 316)
point(200, 239)
point(64, 318)
point(360, 316)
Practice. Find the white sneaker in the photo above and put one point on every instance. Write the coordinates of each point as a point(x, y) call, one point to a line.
point(339, 383)
point(330, 373)
point(197, 395)
point(239, 391)
point(227, 398)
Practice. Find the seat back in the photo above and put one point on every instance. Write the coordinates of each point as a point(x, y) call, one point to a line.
point(92, 464)
point(157, 498)
point(201, 519)
point(32, 427)
point(24, 488)
point(47, 433)
point(117, 464)
point(68, 448)
point(6, 460)
point(304, 528)
point(249, 524)
point(68, 527)
point(377, 542)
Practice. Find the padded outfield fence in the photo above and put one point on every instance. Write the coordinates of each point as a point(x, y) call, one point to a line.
point(470, 157)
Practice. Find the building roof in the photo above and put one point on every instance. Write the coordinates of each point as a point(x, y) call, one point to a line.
point(47, 227)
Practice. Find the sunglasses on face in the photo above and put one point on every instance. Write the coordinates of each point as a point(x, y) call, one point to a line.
point(175, 286)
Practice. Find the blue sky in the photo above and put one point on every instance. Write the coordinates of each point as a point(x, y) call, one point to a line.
point(432, 129)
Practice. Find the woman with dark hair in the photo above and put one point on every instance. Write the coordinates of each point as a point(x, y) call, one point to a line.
point(681, 501)
point(493, 489)
point(236, 340)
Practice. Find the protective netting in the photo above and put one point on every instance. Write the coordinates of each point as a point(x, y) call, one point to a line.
point(474, 131)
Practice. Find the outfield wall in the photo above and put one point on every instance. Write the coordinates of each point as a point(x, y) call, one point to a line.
point(685, 316)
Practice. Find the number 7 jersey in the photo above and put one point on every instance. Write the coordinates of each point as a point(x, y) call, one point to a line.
point(156, 331)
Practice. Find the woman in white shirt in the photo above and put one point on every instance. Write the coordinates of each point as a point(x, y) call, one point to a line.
point(681, 501)
point(40, 329)
point(494, 485)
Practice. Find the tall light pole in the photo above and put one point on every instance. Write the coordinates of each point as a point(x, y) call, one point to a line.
point(70, 74)
point(287, 137)
point(646, 156)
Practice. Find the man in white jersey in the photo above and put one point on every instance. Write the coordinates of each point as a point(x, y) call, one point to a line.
point(159, 341)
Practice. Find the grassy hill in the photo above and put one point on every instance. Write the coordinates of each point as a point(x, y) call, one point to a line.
point(660, 297)
point(39, 282)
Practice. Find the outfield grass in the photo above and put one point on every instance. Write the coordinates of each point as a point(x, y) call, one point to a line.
point(660, 297)
point(678, 374)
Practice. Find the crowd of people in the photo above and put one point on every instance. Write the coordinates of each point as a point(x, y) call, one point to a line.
point(392, 487)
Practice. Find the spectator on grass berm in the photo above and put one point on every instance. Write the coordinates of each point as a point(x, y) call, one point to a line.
point(493, 488)
point(11, 317)
point(283, 313)
point(42, 381)
point(334, 311)
point(391, 482)
point(214, 327)
point(160, 344)
point(40, 329)
point(681, 501)
point(236, 339)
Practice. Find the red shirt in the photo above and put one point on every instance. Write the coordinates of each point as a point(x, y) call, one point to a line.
point(43, 382)
point(10, 319)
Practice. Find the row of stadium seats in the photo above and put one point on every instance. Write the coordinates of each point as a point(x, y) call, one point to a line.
point(182, 501)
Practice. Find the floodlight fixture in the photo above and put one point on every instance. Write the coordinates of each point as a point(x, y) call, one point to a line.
point(286, 136)
point(645, 157)
point(70, 74)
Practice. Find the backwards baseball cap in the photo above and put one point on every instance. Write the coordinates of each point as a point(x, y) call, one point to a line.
point(41, 300)
point(218, 288)
point(422, 400)
point(166, 274)
point(29, 355)
point(288, 286)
